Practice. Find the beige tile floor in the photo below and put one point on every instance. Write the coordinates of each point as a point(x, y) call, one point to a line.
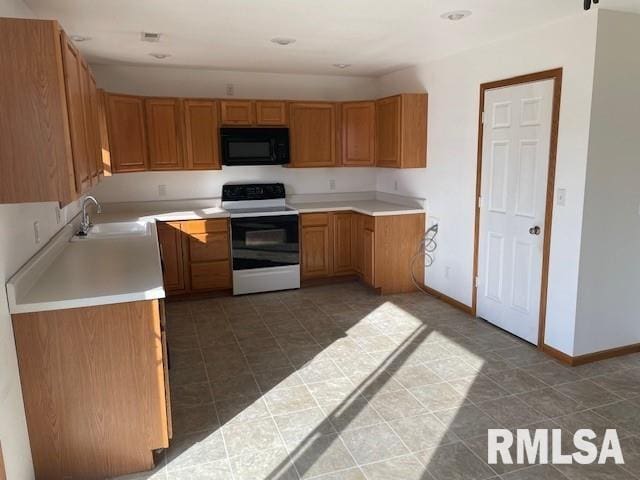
point(336, 383)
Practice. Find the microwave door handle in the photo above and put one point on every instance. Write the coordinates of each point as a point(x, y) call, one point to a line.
point(274, 150)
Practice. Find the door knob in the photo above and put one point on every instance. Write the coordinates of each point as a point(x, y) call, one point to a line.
point(535, 230)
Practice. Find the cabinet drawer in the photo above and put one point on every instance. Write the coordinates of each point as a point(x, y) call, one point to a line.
point(308, 219)
point(211, 275)
point(205, 226)
point(205, 247)
point(369, 222)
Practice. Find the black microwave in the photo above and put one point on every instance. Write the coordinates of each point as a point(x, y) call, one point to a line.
point(254, 146)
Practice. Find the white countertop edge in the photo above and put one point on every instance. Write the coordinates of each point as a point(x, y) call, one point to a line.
point(153, 294)
point(382, 213)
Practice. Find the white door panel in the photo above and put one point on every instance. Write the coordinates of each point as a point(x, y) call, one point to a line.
point(515, 159)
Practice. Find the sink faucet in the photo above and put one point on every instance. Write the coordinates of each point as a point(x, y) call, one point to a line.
point(86, 224)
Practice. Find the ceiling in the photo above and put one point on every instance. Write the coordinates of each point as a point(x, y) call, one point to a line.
point(374, 36)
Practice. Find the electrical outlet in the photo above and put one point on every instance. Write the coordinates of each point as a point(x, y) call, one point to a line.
point(395, 185)
point(58, 215)
point(36, 232)
point(332, 184)
point(162, 190)
point(229, 89)
point(447, 271)
point(561, 197)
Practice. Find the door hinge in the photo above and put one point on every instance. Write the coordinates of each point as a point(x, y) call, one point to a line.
point(483, 117)
point(480, 201)
point(476, 282)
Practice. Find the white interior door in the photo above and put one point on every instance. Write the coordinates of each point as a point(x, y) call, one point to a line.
point(515, 159)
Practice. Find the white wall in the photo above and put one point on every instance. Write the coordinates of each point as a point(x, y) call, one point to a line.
point(183, 82)
point(449, 180)
point(192, 82)
point(17, 245)
point(607, 314)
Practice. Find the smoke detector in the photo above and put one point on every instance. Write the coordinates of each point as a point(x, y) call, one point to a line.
point(152, 37)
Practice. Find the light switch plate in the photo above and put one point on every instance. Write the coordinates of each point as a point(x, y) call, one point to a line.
point(162, 190)
point(36, 232)
point(561, 197)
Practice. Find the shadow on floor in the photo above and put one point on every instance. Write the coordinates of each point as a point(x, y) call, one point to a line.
point(336, 383)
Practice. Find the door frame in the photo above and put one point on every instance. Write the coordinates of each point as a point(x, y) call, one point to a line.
point(556, 76)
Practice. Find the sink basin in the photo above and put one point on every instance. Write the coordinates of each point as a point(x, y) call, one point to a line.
point(113, 230)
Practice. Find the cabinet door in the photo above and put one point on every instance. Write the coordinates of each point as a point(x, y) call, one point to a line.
point(316, 253)
point(127, 136)
point(342, 251)
point(171, 252)
point(358, 133)
point(357, 241)
point(201, 135)
point(105, 149)
point(237, 112)
point(164, 133)
point(368, 260)
point(271, 113)
point(312, 132)
point(207, 276)
point(92, 124)
point(388, 134)
point(75, 106)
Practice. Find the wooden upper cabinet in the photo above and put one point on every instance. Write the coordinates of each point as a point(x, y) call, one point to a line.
point(271, 112)
point(201, 135)
point(105, 150)
point(401, 131)
point(127, 136)
point(164, 133)
point(237, 112)
point(358, 133)
point(75, 87)
point(312, 134)
point(92, 124)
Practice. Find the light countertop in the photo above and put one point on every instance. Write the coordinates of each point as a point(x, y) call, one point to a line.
point(88, 272)
point(372, 207)
point(66, 274)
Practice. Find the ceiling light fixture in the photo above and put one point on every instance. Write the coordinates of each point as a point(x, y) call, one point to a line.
point(456, 15)
point(79, 38)
point(160, 56)
point(342, 65)
point(283, 41)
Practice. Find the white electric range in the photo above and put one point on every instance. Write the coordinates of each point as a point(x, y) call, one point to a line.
point(264, 238)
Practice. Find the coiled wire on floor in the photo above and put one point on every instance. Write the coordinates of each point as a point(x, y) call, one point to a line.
point(426, 250)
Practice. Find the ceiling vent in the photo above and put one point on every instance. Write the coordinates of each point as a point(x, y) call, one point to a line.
point(150, 37)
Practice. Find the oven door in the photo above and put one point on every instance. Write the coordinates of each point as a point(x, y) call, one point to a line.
point(254, 146)
point(267, 241)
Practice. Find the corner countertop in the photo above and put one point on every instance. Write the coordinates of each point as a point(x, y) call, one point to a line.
point(375, 208)
point(121, 269)
point(86, 273)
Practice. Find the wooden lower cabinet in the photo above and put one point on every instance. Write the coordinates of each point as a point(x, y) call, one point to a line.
point(316, 255)
point(378, 249)
point(198, 252)
point(94, 388)
point(172, 254)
